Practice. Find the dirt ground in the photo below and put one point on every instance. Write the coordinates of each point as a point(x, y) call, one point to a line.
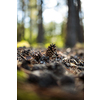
point(52, 73)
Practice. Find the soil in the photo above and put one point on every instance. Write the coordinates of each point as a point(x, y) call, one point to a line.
point(50, 73)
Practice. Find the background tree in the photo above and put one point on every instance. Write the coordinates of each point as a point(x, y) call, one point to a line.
point(21, 28)
point(71, 24)
point(80, 37)
point(40, 37)
point(44, 21)
point(23, 17)
point(74, 28)
point(32, 8)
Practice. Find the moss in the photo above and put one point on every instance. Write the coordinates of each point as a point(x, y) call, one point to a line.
point(21, 76)
point(23, 95)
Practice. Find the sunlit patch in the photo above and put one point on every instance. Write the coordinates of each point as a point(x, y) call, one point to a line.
point(50, 3)
point(23, 43)
point(79, 45)
point(52, 15)
point(47, 44)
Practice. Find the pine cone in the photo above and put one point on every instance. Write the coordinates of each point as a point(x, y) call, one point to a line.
point(51, 50)
point(37, 56)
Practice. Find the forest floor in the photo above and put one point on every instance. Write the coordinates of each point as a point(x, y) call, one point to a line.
point(50, 74)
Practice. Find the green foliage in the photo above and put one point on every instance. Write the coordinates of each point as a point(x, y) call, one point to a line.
point(58, 40)
point(50, 37)
point(27, 33)
point(49, 28)
point(27, 36)
point(20, 31)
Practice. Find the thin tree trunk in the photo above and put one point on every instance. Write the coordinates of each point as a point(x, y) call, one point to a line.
point(40, 36)
point(80, 36)
point(71, 25)
point(23, 18)
point(31, 24)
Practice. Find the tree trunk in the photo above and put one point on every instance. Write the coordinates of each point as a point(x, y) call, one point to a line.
point(71, 25)
point(80, 37)
point(74, 28)
point(40, 36)
point(31, 24)
point(23, 18)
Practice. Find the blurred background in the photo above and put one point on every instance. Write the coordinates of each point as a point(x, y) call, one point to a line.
point(41, 22)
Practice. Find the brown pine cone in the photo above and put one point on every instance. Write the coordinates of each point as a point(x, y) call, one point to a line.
point(37, 55)
point(51, 50)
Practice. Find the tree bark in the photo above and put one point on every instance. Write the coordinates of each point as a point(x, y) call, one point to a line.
point(80, 37)
point(71, 25)
point(40, 37)
point(74, 28)
point(23, 18)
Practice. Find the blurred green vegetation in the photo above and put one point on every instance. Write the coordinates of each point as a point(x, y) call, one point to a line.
point(52, 35)
point(21, 76)
point(24, 95)
point(29, 15)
